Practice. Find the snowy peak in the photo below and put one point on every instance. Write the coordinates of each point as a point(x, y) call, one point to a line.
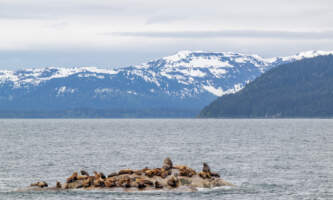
point(38, 75)
point(306, 54)
point(178, 85)
point(218, 73)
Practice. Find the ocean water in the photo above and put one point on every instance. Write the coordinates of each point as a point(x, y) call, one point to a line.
point(264, 158)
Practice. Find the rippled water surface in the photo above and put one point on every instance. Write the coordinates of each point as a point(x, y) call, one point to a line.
point(265, 159)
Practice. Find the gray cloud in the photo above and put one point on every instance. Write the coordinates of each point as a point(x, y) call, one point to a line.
point(52, 9)
point(164, 19)
point(140, 29)
point(229, 34)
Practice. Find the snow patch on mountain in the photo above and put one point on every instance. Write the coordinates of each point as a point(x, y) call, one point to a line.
point(185, 74)
point(63, 90)
point(306, 54)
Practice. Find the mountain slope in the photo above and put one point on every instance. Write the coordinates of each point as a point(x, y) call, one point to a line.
point(174, 86)
point(299, 89)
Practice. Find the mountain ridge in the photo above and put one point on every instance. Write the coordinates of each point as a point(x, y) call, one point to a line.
point(187, 81)
point(298, 89)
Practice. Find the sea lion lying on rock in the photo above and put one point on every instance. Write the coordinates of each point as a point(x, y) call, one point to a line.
point(168, 177)
point(206, 173)
point(84, 173)
point(40, 184)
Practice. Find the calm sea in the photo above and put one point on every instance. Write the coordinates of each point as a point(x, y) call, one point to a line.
point(265, 159)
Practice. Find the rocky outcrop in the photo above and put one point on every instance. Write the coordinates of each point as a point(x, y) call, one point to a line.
point(167, 177)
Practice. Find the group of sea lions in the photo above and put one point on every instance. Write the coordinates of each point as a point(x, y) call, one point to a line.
point(167, 177)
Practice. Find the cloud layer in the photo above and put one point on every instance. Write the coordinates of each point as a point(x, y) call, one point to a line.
point(275, 27)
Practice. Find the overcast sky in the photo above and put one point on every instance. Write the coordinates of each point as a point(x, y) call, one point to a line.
point(108, 33)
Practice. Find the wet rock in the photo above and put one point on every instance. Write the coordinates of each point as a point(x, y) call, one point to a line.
point(185, 181)
point(179, 177)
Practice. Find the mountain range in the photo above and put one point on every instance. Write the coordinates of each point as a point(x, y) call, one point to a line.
point(299, 89)
point(174, 86)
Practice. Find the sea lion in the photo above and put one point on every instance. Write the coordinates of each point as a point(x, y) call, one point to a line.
point(97, 175)
point(124, 181)
point(99, 182)
point(148, 182)
point(173, 181)
point(186, 171)
point(164, 174)
point(81, 177)
point(125, 171)
point(72, 178)
point(158, 185)
point(102, 175)
point(138, 172)
point(113, 174)
point(167, 164)
point(84, 173)
point(205, 175)
point(110, 182)
point(206, 168)
point(88, 182)
point(153, 172)
point(58, 184)
point(40, 184)
point(215, 174)
point(140, 183)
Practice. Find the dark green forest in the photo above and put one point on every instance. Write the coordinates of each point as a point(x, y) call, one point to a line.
point(300, 89)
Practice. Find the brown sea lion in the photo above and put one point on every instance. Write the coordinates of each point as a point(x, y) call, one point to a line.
point(102, 175)
point(58, 184)
point(148, 182)
point(206, 168)
point(113, 174)
point(173, 181)
point(158, 185)
point(167, 164)
point(72, 178)
point(140, 183)
point(205, 175)
point(125, 171)
point(110, 182)
point(40, 184)
point(84, 173)
point(215, 174)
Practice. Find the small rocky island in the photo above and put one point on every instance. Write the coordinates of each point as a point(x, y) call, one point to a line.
point(168, 177)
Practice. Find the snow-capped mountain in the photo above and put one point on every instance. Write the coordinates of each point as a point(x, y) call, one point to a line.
point(177, 85)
